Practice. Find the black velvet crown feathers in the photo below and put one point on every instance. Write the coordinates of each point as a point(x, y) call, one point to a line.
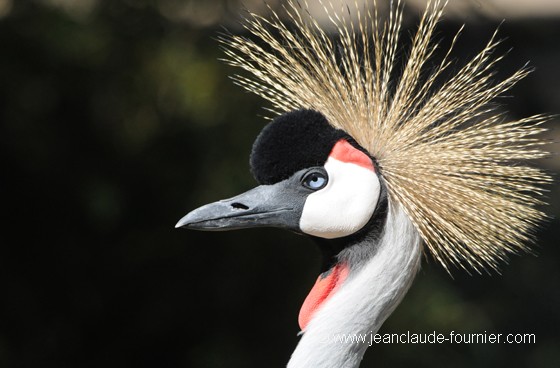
point(293, 141)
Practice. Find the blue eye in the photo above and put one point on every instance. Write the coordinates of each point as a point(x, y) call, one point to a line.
point(315, 180)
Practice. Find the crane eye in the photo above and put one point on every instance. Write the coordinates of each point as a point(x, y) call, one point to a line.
point(315, 180)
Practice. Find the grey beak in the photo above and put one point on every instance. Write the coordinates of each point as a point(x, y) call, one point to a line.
point(263, 206)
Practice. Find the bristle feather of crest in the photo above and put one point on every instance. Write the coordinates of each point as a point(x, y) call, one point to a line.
point(447, 156)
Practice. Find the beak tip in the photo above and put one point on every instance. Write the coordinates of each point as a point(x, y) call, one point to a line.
point(182, 223)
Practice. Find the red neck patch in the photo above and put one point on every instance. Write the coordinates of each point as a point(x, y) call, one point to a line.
point(345, 152)
point(326, 285)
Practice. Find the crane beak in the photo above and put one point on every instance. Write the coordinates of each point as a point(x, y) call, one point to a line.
point(263, 206)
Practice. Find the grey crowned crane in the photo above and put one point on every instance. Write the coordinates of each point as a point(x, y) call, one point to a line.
point(376, 166)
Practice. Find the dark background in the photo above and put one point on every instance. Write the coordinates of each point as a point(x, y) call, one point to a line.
point(117, 119)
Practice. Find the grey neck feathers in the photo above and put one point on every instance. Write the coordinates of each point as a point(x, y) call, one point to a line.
point(369, 295)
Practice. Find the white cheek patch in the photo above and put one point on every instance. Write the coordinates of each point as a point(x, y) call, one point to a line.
point(345, 204)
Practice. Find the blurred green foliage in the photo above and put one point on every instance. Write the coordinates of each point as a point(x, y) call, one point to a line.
point(116, 118)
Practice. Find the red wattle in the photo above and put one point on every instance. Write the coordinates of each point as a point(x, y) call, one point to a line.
point(326, 285)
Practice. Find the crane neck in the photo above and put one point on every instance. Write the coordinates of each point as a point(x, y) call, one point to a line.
point(381, 269)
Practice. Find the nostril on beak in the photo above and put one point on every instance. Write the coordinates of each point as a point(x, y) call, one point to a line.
point(239, 206)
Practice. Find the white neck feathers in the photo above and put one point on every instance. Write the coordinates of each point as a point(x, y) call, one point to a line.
point(365, 300)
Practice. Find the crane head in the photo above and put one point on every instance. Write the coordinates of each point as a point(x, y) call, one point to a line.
point(314, 179)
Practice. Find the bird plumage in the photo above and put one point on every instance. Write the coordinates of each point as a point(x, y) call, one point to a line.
point(371, 162)
point(379, 281)
point(454, 163)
